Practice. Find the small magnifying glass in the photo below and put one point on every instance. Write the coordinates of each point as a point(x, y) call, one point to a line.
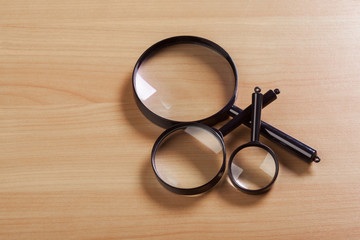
point(253, 167)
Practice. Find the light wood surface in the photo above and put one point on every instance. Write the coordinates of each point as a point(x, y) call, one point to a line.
point(74, 148)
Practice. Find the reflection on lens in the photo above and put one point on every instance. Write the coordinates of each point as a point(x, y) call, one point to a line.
point(199, 76)
point(253, 168)
point(189, 157)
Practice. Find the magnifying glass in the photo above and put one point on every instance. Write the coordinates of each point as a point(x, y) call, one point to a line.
point(185, 73)
point(190, 158)
point(186, 79)
point(253, 167)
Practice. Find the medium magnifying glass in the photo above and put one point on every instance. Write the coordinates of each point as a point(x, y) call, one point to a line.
point(253, 167)
point(186, 79)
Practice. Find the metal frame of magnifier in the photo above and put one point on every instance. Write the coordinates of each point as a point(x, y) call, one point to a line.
point(166, 123)
point(289, 143)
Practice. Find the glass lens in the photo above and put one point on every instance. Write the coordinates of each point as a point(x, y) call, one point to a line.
point(189, 157)
point(253, 168)
point(185, 82)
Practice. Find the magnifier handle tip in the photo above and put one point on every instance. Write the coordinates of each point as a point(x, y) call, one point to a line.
point(257, 89)
point(317, 159)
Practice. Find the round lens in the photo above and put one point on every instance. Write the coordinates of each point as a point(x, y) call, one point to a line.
point(189, 157)
point(253, 168)
point(185, 82)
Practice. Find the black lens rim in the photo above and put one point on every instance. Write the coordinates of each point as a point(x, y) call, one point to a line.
point(164, 122)
point(255, 191)
point(189, 191)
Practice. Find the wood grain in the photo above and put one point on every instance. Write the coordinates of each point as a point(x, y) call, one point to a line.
point(74, 148)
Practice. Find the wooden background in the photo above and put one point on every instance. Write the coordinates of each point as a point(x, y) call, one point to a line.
point(74, 148)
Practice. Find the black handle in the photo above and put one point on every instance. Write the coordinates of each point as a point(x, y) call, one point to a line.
point(243, 116)
point(257, 99)
point(277, 136)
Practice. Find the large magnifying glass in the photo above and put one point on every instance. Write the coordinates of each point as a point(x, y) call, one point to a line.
point(185, 79)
